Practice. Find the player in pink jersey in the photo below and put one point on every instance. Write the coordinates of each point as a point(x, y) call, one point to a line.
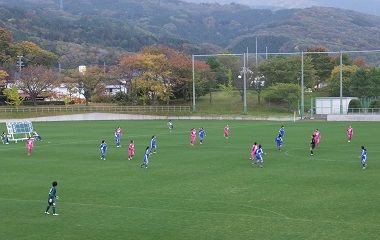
point(317, 137)
point(29, 146)
point(131, 150)
point(226, 131)
point(253, 151)
point(193, 136)
point(350, 132)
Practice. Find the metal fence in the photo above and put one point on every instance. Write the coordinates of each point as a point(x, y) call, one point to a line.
point(113, 109)
point(369, 111)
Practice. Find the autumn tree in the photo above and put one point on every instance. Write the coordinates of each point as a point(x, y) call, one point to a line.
point(5, 47)
point(36, 80)
point(333, 83)
point(159, 73)
point(33, 54)
point(3, 76)
point(90, 81)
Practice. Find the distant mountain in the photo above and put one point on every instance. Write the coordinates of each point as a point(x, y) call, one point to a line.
point(102, 27)
point(365, 6)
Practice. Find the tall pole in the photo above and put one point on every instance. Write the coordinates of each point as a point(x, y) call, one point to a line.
point(245, 84)
point(192, 60)
point(302, 87)
point(257, 59)
point(341, 84)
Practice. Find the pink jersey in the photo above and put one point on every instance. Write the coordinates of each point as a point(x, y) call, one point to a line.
point(350, 131)
point(29, 143)
point(193, 134)
point(254, 148)
point(226, 131)
point(131, 148)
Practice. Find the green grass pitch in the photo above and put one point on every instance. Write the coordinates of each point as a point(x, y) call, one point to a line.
point(208, 191)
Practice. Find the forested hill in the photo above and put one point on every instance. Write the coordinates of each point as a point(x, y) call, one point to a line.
point(129, 25)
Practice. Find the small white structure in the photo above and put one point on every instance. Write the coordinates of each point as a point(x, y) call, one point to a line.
point(82, 69)
point(331, 105)
point(19, 130)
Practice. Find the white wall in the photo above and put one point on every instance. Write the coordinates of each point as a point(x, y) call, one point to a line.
point(331, 105)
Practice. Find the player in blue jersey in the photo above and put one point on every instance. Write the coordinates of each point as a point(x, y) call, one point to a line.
point(278, 141)
point(281, 132)
point(153, 145)
point(146, 158)
point(202, 134)
point(259, 156)
point(103, 150)
point(363, 157)
point(52, 198)
point(117, 136)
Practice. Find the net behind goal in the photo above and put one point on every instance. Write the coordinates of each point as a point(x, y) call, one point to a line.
point(18, 131)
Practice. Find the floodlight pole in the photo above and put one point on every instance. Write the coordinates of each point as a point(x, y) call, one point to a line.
point(245, 84)
point(302, 110)
point(192, 59)
point(341, 84)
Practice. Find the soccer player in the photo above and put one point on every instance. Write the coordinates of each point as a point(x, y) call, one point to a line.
point(36, 136)
point(29, 146)
point(131, 150)
point(4, 138)
point(117, 136)
point(146, 158)
point(317, 136)
point(350, 132)
point(202, 134)
point(226, 131)
point(259, 156)
point(103, 150)
point(253, 151)
point(281, 132)
point(193, 136)
point(312, 145)
point(52, 198)
point(278, 141)
point(153, 145)
point(363, 157)
point(170, 125)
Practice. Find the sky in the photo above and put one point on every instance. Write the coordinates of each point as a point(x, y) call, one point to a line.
point(366, 6)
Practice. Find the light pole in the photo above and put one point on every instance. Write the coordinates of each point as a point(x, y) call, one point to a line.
point(244, 72)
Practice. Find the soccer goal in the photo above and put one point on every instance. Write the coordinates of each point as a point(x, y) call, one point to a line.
point(18, 131)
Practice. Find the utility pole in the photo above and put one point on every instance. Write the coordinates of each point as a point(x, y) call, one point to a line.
point(20, 63)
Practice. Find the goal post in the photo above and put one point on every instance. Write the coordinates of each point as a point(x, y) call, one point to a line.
point(19, 130)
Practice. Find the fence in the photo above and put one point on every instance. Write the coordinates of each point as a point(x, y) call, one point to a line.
point(113, 109)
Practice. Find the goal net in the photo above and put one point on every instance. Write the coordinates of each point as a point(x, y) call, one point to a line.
point(18, 131)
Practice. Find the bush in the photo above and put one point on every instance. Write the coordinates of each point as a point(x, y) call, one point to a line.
point(375, 104)
point(354, 105)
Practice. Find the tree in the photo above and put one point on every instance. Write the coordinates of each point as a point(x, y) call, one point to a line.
point(34, 55)
point(322, 62)
point(13, 96)
point(333, 83)
point(288, 93)
point(3, 76)
point(161, 73)
point(361, 85)
point(36, 80)
point(288, 70)
point(90, 82)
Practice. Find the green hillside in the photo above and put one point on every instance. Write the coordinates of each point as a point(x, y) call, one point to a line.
point(129, 25)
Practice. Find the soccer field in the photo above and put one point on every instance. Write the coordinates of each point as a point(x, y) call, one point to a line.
point(208, 191)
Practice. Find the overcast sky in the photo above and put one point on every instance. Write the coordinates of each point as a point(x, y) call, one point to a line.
point(367, 6)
